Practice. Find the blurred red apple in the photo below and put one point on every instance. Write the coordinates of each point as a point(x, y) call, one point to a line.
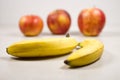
point(91, 21)
point(31, 25)
point(59, 21)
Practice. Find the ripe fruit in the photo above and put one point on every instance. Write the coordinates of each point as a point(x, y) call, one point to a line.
point(30, 25)
point(42, 47)
point(59, 21)
point(90, 51)
point(91, 21)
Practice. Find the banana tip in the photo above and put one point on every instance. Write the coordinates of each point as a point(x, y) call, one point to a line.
point(66, 62)
point(7, 50)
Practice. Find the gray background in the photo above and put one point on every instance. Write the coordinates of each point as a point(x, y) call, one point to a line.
point(11, 68)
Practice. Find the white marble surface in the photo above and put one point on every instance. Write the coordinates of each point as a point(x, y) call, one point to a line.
point(11, 68)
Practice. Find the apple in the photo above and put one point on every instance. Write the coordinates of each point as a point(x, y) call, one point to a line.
point(59, 21)
point(91, 21)
point(31, 25)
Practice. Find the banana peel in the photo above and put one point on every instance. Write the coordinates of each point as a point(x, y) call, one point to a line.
point(90, 51)
point(43, 47)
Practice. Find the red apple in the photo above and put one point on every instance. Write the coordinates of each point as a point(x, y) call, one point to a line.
point(91, 21)
point(30, 25)
point(59, 21)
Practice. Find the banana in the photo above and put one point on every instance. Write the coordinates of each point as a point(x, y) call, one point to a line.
point(42, 47)
point(90, 51)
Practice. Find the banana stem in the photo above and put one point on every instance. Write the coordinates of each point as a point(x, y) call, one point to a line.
point(7, 50)
point(67, 35)
point(78, 46)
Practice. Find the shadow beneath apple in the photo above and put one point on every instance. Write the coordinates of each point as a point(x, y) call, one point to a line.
point(102, 34)
point(73, 33)
point(46, 34)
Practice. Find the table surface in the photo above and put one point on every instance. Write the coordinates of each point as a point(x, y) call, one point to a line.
point(11, 68)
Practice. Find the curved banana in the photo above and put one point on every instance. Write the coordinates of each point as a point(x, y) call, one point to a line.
point(42, 47)
point(90, 51)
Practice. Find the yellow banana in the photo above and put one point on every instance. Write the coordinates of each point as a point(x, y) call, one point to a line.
point(42, 47)
point(90, 51)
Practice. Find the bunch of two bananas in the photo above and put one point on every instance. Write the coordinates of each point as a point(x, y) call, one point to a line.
point(90, 49)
